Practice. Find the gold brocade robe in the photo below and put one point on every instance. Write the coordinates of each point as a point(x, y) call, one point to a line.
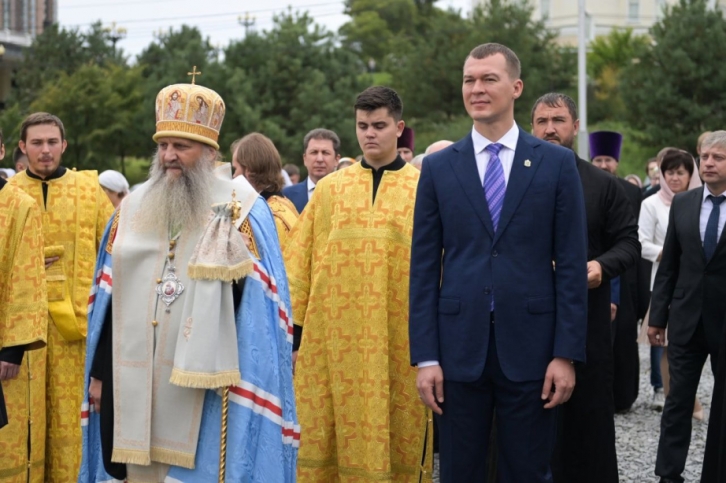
point(285, 215)
point(348, 262)
point(74, 216)
point(23, 319)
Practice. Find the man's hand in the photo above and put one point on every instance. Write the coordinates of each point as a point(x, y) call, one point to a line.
point(94, 389)
point(559, 382)
point(613, 312)
point(50, 261)
point(656, 336)
point(294, 361)
point(8, 371)
point(594, 274)
point(430, 385)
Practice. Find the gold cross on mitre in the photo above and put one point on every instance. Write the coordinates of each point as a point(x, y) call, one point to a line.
point(194, 73)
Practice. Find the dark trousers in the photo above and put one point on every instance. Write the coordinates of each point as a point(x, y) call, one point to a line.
point(585, 450)
point(525, 430)
point(714, 466)
point(686, 363)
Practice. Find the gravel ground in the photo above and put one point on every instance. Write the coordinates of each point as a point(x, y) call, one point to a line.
point(637, 432)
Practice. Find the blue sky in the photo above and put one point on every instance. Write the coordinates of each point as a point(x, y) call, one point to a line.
point(219, 19)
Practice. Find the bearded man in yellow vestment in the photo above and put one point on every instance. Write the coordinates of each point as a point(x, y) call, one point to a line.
point(74, 211)
point(348, 260)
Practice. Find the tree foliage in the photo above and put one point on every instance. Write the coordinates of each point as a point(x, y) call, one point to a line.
point(663, 89)
point(675, 91)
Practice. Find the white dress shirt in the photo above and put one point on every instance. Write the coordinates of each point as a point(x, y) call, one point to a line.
point(652, 227)
point(706, 209)
point(311, 187)
point(506, 157)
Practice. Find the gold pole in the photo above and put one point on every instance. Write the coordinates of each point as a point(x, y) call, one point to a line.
point(223, 438)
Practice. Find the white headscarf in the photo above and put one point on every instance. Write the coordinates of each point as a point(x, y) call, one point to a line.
point(114, 181)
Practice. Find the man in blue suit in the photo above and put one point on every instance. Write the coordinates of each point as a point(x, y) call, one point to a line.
point(321, 152)
point(498, 283)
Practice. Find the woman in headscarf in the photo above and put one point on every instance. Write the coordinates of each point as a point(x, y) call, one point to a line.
point(115, 186)
point(678, 174)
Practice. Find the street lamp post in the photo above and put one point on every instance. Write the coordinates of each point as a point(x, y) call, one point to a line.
point(115, 34)
point(247, 22)
point(582, 140)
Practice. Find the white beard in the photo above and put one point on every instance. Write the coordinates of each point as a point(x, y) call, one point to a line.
point(176, 203)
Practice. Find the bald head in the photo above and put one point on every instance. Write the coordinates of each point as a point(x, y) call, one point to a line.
point(438, 146)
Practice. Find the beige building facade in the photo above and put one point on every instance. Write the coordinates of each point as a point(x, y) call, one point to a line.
point(602, 15)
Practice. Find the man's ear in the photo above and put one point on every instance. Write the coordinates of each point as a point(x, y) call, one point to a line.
point(21, 145)
point(65, 145)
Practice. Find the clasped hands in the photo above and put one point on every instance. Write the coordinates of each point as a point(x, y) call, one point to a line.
point(557, 388)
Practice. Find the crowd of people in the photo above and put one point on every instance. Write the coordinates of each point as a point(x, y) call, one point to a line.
point(481, 300)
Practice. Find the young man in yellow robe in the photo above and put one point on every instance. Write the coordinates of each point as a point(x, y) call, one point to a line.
point(74, 211)
point(348, 262)
point(23, 305)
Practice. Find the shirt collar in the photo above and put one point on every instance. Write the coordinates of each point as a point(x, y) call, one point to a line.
point(707, 193)
point(56, 174)
point(509, 140)
point(311, 184)
point(397, 164)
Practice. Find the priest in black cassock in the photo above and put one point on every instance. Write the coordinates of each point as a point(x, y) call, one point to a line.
point(585, 449)
point(634, 285)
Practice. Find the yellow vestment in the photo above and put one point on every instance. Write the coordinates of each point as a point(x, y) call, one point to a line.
point(23, 318)
point(74, 216)
point(285, 215)
point(347, 261)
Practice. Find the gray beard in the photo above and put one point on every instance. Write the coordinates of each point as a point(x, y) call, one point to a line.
point(177, 203)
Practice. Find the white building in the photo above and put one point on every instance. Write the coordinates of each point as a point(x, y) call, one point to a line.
point(603, 15)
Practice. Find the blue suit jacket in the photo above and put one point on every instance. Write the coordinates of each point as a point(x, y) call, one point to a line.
point(458, 263)
point(298, 194)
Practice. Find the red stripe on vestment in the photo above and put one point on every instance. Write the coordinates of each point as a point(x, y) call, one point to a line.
point(258, 400)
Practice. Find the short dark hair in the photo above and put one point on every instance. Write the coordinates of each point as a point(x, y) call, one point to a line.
point(555, 99)
point(322, 134)
point(18, 154)
point(514, 67)
point(38, 118)
point(675, 159)
point(380, 96)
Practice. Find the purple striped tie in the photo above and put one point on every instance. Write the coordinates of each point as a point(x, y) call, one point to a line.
point(494, 186)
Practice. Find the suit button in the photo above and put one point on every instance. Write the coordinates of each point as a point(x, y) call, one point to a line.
point(495, 254)
point(487, 291)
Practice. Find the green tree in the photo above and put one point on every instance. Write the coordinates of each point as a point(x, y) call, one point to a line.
point(675, 91)
point(100, 109)
point(427, 72)
point(376, 25)
point(58, 51)
point(608, 55)
point(289, 80)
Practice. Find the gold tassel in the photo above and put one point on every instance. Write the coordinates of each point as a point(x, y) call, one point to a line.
point(201, 380)
point(218, 272)
point(131, 457)
point(174, 458)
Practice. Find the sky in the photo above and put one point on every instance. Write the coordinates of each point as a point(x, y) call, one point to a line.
point(219, 19)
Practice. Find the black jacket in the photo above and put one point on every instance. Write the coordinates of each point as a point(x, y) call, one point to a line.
point(687, 288)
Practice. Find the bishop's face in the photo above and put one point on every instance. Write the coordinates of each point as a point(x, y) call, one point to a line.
point(44, 146)
point(178, 155)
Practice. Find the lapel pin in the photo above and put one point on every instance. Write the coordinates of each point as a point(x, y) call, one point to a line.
point(527, 163)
